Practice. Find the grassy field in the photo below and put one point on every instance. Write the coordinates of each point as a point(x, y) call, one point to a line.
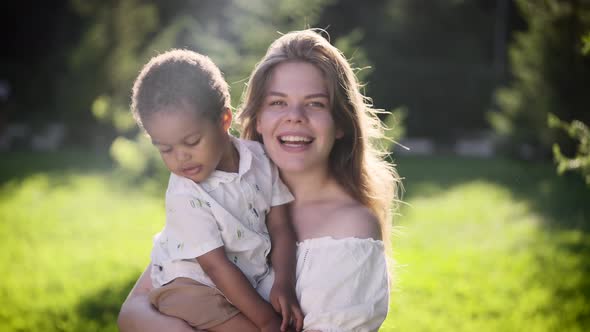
point(481, 245)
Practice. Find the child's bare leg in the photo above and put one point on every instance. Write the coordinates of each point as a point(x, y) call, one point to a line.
point(238, 322)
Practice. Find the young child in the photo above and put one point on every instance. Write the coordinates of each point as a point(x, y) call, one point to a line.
point(209, 263)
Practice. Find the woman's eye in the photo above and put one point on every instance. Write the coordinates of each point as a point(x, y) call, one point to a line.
point(165, 150)
point(276, 103)
point(317, 104)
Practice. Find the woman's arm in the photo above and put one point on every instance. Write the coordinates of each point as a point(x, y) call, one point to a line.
point(137, 313)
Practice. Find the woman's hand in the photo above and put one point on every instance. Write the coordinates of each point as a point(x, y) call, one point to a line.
point(284, 301)
point(137, 313)
point(273, 325)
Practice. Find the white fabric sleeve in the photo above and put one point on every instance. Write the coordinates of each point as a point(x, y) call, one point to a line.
point(191, 229)
point(342, 285)
point(280, 193)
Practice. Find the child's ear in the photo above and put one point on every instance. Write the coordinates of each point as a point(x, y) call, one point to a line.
point(226, 118)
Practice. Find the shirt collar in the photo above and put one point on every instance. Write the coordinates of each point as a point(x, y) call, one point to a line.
point(245, 155)
point(218, 177)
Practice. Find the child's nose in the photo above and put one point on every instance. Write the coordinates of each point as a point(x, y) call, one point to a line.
point(182, 155)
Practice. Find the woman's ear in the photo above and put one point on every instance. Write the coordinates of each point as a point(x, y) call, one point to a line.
point(339, 133)
point(226, 118)
point(258, 125)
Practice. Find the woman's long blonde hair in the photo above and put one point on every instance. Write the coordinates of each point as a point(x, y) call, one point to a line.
point(355, 161)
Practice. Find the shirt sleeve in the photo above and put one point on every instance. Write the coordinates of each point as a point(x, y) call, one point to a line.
point(280, 193)
point(191, 229)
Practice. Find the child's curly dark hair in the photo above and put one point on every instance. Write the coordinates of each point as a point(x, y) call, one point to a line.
point(179, 78)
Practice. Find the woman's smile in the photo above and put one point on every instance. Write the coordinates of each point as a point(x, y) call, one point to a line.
point(295, 142)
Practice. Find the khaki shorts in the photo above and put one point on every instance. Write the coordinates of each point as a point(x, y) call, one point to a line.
point(201, 306)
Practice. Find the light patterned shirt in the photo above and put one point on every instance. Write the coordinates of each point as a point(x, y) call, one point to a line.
point(227, 209)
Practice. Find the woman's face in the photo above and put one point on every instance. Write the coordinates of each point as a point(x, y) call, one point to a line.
point(295, 120)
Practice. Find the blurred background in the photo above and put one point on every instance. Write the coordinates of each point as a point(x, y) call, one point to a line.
point(490, 97)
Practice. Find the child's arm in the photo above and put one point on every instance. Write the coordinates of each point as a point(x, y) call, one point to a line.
point(137, 314)
point(230, 280)
point(282, 256)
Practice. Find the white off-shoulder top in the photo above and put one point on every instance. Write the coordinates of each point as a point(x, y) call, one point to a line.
point(342, 284)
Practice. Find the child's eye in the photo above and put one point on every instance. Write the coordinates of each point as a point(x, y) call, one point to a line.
point(166, 150)
point(193, 143)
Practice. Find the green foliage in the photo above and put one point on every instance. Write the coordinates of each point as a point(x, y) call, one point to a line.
point(578, 131)
point(550, 74)
point(482, 245)
point(356, 56)
point(393, 129)
point(137, 159)
point(586, 44)
point(431, 57)
point(101, 67)
point(129, 155)
point(106, 110)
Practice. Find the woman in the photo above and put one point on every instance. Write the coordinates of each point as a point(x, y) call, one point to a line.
point(304, 104)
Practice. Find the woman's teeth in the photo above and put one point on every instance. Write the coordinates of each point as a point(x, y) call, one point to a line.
point(295, 139)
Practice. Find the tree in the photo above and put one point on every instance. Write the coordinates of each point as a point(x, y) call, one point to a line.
point(580, 162)
point(102, 65)
point(578, 131)
point(550, 74)
point(433, 57)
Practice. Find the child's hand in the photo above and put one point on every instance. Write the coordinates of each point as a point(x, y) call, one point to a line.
point(284, 301)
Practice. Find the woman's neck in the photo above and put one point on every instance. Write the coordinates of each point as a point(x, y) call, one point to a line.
point(310, 185)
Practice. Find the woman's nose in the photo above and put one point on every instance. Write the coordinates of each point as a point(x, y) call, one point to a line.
point(296, 113)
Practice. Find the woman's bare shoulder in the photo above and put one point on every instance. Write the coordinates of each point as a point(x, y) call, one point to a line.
point(337, 214)
point(356, 220)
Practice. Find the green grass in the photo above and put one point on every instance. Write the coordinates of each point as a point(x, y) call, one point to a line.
point(482, 245)
point(491, 246)
point(72, 243)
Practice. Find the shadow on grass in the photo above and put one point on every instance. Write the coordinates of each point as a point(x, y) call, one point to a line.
point(19, 165)
point(564, 270)
point(100, 310)
point(562, 200)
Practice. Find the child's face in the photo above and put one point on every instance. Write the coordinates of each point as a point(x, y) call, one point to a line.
point(191, 146)
point(295, 120)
